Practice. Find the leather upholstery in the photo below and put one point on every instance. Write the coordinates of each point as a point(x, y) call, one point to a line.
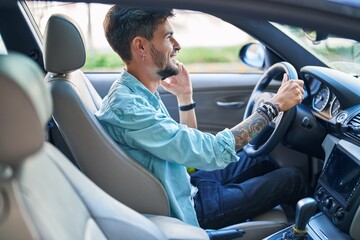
point(42, 195)
point(263, 225)
point(56, 59)
point(97, 155)
point(75, 102)
point(25, 135)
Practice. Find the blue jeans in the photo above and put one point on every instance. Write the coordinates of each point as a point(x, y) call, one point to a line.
point(243, 190)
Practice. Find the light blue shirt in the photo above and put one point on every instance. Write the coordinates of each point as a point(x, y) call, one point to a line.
point(141, 125)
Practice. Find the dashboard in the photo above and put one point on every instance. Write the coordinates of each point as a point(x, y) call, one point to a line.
point(333, 102)
point(329, 119)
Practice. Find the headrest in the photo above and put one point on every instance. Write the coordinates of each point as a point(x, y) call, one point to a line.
point(64, 46)
point(26, 107)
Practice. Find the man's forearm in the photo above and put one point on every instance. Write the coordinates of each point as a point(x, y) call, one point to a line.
point(188, 118)
point(245, 131)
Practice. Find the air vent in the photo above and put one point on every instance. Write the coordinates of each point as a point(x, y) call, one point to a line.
point(355, 122)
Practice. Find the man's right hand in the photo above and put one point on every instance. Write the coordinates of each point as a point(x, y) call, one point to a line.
point(289, 94)
point(179, 85)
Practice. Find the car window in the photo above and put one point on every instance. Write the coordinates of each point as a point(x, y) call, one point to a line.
point(3, 50)
point(208, 43)
point(336, 52)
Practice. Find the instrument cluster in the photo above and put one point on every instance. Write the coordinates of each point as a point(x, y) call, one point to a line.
point(325, 102)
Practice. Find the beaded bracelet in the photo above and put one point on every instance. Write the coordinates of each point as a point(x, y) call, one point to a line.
point(262, 112)
point(268, 110)
point(275, 106)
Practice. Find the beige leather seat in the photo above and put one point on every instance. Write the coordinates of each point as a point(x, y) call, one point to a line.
point(76, 101)
point(42, 195)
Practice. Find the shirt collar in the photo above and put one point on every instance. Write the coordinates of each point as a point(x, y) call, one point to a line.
point(136, 86)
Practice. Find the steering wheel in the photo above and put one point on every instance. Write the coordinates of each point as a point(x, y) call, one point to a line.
point(267, 140)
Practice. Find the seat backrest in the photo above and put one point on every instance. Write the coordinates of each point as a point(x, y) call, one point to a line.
point(75, 102)
point(42, 195)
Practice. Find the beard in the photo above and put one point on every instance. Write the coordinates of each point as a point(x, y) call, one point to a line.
point(166, 69)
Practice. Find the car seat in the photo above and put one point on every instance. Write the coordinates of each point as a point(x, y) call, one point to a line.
point(42, 194)
point(75, 102)
point(97, 155)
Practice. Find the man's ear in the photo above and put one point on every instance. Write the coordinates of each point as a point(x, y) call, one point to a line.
point(139, 46)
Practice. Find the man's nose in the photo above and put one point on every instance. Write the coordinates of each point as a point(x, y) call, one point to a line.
point(176, 45)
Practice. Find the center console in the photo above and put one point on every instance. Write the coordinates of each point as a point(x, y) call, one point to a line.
point(338, 188)
point(337, 196)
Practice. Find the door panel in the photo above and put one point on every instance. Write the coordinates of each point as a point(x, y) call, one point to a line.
point(212, 93)
point(220, 98)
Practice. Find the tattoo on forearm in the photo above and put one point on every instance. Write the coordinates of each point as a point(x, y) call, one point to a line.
point(245, 131)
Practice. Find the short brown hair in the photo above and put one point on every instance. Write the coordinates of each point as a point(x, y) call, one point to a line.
point(123, 24)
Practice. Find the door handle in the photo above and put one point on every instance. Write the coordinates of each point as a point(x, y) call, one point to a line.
point(236, 104)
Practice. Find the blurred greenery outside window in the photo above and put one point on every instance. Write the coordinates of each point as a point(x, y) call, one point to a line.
point(208, 43)
point(336, 52)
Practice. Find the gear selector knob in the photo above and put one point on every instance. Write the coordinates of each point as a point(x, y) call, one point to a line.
point(305, 208)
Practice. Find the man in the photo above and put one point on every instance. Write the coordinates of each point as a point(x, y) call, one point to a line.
point(135, 117)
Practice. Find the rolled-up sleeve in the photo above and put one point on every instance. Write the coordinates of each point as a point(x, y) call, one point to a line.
point(226, 139)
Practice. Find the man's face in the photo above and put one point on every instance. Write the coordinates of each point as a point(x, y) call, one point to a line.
point(163, 49)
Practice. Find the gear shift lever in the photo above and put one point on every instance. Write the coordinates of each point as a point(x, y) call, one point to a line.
point(305, 208)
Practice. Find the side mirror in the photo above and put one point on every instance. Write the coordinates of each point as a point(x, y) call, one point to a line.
point(253, 55)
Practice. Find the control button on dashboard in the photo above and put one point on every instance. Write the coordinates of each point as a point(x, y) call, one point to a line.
point(341, 117)
point(339, 216)
point(320, 194)
point(328, 203)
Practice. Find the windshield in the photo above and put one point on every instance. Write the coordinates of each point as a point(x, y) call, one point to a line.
point(337, 53)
